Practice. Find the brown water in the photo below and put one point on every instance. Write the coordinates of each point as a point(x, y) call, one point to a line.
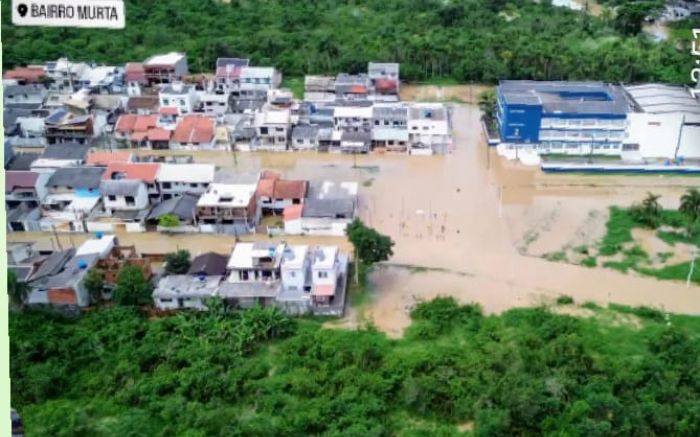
point(484, 220)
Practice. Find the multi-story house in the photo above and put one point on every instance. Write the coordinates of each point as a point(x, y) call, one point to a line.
point(24, 96)
point(194, 132)
point(191, 290)
point(24, 191)
point(259, 78)
point(275, 194)
point(272, 128)
point(229, 204)
point(166, 68)
point(390, 130)
point(135, 78)
point(385, 80)
point(319, 88)
point(176, 179)
point(120, 195)
point(253, 274)
point(228, 72)
point(64, 74)
point(138, 171)
point(429, 128)
point(180, 96)
point(351, 87)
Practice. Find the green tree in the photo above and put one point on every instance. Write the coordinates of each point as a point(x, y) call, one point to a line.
point(369, 245)
point(649, 212)
point(487, 103)
point(132, 288)
point(16, 290)
point(169, 221)
point(690, 207)
point(630, 14)
point(177, 263)
point(94, 283)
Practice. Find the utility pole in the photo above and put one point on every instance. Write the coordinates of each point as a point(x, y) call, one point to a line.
point(55, 234)
point(692, 268)
point(680, 135)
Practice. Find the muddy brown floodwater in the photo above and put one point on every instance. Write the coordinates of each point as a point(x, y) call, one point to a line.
point(468, 225)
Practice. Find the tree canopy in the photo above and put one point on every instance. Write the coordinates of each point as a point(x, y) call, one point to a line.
point(177, 263)
point(115, 371)
point(17, 290)
point(132, 288)
point(370, 246)
point(465, 40)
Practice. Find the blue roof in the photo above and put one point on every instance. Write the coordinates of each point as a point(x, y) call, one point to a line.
point(566, 97)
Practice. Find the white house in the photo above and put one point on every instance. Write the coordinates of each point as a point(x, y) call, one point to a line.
point(296, 269)
point(327, 210)
point(124, 195)
point(428, 128)
point(272, 128)
point(259, 78)
point(65, 74)
point(180, 96)
point(175, 179)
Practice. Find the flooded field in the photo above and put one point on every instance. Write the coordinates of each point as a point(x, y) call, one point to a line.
point(466, 224)
point(443, 93)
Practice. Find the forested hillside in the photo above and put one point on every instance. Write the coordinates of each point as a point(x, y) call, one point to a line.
point(464, 40)
point(115, 372)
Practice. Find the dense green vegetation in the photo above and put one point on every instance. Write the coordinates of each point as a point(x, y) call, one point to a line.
point(115, 372)
point(459, 40)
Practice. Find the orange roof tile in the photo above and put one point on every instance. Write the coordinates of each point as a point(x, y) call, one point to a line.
point(125, 124)
point(194, 129)
point(146, 172)
point(144, 122)
point(292, 212)
point(323, 290)
point(358, 89)
point(266, 187)
point(158, 134)
point(289, 189)
point(105, 158)
point(167, 110)
point(29, 74)
point(269, 174)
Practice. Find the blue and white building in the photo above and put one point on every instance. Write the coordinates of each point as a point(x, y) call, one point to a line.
point(576, 118)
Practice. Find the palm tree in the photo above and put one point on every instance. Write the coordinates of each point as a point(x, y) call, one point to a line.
point(16, 289)
point(690, 207)
point(651, 206)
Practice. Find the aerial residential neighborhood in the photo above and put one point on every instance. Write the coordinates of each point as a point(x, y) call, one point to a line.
point(394, 218)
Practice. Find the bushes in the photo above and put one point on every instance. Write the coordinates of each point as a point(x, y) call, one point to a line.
point(526, 372)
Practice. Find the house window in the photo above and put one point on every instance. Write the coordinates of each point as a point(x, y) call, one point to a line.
point(167, 185)
point(322, 274)
point(296, 201)
point(130, 200)
point(300, 141)
point(166, 300)
point(112, 198)
point(193, 185)
point(293, 274)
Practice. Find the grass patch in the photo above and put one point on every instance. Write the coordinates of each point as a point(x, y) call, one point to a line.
point(618, 231)
point(582, 250)
point(359, 293)
point(675, 272)
point(565, 300)
point(555, 256)
point(664, 256)
point(620, 266)
point(643, 312)
point(589, 261)
point(296, 84)
point(590, 306)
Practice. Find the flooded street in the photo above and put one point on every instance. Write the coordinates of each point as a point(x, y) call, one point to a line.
point(482, 222)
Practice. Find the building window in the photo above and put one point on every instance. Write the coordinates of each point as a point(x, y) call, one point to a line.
point(112, 198)
point(166, 300)
point(130, 200)
point(322, 274)
point(293, 274)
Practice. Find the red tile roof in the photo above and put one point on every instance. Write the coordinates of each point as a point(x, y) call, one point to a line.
point(146, 172)
point(139, 136)
point(105, 158)
point(266, 187)
point(142, 102)
point(290, 189)
point(385, 85)
point(167, 110)
point(194, 129)
point(358, 89)
point(145, 122)
point(158, 134)
point(29, 74)
point(134, 72)
point(281, 189)
point(323, 290)
point(125, 124)
point(19, 179)
point(269, 174)
point(292, 212)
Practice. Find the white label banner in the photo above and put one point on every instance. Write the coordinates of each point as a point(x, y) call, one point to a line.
point(108, 14)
